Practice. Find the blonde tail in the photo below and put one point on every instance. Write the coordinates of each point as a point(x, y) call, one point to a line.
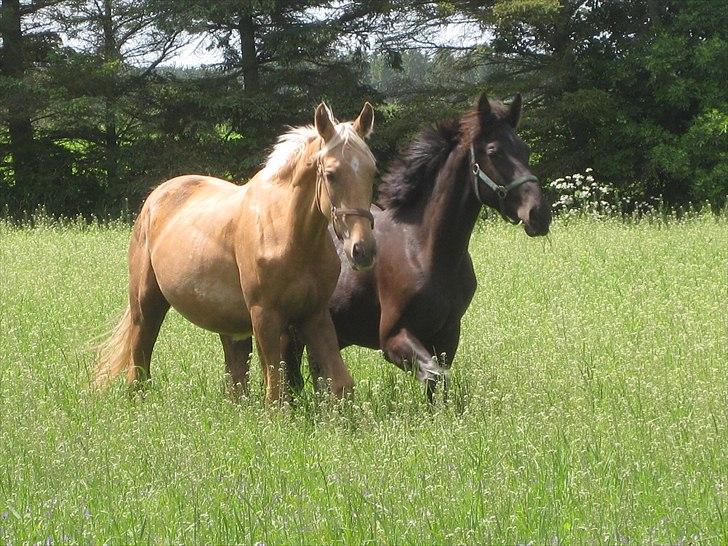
point(113, 356)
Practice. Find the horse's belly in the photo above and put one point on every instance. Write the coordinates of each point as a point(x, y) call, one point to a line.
point(205, 290)
point(213, 306)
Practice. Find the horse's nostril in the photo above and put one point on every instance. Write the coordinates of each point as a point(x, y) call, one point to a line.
point(539, 216)
point(533, 216)
point(358, 252)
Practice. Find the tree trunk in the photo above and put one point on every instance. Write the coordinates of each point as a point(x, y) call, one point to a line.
point(563, 48)
point(249, 58)
point(653, 13)
point(111, 140)
point(20, 128)
point(111, 143)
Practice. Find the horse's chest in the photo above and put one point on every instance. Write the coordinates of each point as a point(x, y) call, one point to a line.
point(438, 300)
point(306, 294)
point(459, 290)
point(296, 283)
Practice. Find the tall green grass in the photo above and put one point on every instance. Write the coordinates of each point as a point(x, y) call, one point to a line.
point(590, 405)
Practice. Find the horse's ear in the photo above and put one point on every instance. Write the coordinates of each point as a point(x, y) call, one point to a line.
point(364, 124)
point(483, 107)
point(514, 114)
point(324, 122)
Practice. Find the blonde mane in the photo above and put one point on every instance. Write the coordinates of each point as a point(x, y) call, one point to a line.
point(291, 144)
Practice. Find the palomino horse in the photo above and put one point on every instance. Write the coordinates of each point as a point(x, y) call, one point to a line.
point(253, 259)
point(411, 303)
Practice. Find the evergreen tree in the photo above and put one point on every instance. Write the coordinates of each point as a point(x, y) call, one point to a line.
point(25, 48)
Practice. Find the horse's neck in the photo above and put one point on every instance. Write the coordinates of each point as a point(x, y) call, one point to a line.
point(450, 214)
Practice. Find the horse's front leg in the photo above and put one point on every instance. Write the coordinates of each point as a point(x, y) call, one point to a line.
point(319, 335)
point(269, 329)
point(405, 350)
point(447, 344)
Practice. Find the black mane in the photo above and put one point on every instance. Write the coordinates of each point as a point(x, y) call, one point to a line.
point(412, 174)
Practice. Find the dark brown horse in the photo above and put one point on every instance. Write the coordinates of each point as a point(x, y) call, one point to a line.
point(411, 303)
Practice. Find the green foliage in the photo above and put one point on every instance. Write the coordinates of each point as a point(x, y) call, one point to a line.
point(632, 89)
point(589, 406)
point(516, 10)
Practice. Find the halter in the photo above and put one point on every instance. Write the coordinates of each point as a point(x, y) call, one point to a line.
point(337, 215)
point(500, 191)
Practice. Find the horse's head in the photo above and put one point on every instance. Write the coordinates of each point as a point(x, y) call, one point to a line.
point(501, 175)
point(345, 182)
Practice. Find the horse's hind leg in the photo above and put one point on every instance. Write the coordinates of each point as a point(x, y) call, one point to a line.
point(319, 334)
point(147, 307)
point(237, 363)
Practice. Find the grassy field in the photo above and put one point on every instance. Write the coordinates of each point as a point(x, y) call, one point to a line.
point(590, 406)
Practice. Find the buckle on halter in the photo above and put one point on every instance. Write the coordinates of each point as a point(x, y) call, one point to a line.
point(476, 168)
point(502, 191)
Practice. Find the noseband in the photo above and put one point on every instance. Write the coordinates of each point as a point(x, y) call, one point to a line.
point(500, 191)
point(337, 215)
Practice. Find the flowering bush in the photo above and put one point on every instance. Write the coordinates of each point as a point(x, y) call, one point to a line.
point(583, 194)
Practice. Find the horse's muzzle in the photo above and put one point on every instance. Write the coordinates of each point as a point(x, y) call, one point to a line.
point(535, 231)
point(362, 256)
point(538, 221)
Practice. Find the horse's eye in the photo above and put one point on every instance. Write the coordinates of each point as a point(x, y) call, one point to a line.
point(331, 176)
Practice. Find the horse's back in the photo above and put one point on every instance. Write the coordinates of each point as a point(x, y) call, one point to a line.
point(177, 194)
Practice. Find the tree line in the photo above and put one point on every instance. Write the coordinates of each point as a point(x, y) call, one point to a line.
point(94, 112)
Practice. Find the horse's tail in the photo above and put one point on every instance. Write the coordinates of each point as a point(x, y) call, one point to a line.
point(113, 356)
